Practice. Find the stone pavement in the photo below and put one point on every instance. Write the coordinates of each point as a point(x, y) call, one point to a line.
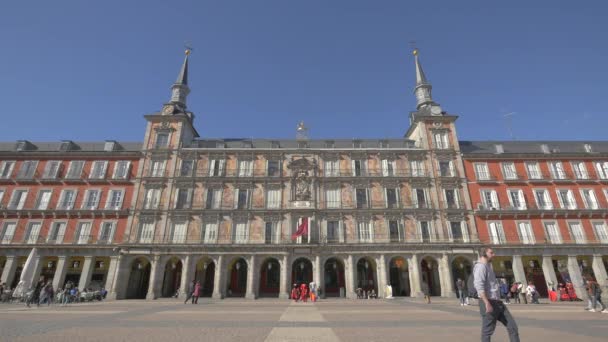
point(281, 320)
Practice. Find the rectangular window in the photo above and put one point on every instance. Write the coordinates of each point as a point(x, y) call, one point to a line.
point(183, 198)
point(157, 168)
point(393, 231)
point(114, 200)
point(481, 171)
point(580, 170)
point(490, 199)
point(389, 168)
point(187, 168)
point(216, 167)
point(6, 169)
point(106, 232)
point(426, 235)
point(526, 235)
point(245, 168)
point(121, 169)
point(557, 170)
point(152, 199)
point(146, 232)
point(392, 199)
point(241, 234)
point(273, 199)
point(271, 233)
point(456, 231)
point(162, 140)
point(272, 168)
point(601, 167)
point(599, 228)
point(178, 232)
point(7, 233)
point(241, 198)
point(98, 170)
point(533, 169)
point(497, 233)
point(214, 199)
point(577, 233)
point(56, 233)
point(365, 232)
point(83, 233)
point(420, 198)
point(359, 167)
point(333, 231)
point(440, 139)
point(17, 200)
point(589, 199)
point(417, 168)
point(332, 168)
point(543, 200)
point(566, 199)
point(67, 200)
point(210, 235)
point(451, 198)
point(361, 197)
point(446, 169)
point(51, 169)
point(508, 170)
point(32, 233)
point(28, 169)
point(91, 199)
point(44, 197)
point(517, 199)
point(552, 232)
point(75, 169)
point(1, 197)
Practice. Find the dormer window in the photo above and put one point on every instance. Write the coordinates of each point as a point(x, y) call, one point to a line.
point(66, 145)
point(302, 144)
point(330, 144)
point(499, 149)
point(109, 146)
point(588, 148)
point(162, 140)
point(545, 148)
point(384, 144)
point(23, 145)
point(357, 144)
point(275, 144)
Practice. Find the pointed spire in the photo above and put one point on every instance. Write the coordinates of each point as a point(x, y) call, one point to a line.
point(180, 89)
point(423, 87)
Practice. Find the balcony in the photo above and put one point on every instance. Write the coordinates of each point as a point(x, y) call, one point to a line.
point(68, 209)
point(486, 177)
point(536, 209)
point(538, 177)
point(55, 240)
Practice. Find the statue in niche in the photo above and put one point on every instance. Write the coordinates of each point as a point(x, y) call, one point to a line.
point(302, 186)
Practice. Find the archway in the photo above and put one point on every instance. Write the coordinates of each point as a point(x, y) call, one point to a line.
point(366, 274)
point(585, 264)
point(172, 277)
point(100, 273)
point(503, 267)
point(270, 278)
point(237, 283)
point(334, 278)
point(399, 277)
point(301, 271)
point(205, 274)
point(18, 271)
point(137, 288)
point(560, 267)
point(535, 275)
point(430, 276)
point(461, 269)
point(74, 271)
point(49, 266)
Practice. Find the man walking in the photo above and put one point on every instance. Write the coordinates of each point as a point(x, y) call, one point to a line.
point(190, 291)
point(491, 308)
point(460, 288)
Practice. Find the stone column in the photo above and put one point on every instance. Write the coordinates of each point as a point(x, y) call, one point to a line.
point(415, 281)
point(60, 271)
point(518, 271)
point(154, 271)
point(350, 278)
point(447, 288)
point(37, 269)
point(318, 275)
point(381, 263)
point(549, 271)
point(111, 273)
point(87, 272)
point(218, 281)
point(8, 273)
point(600, 271)
point(251, 271)
point(186, 277)
point(576, 277)
point(284, 287)
point(118, 275)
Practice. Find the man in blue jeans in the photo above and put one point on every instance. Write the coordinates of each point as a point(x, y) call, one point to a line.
point(491, 308)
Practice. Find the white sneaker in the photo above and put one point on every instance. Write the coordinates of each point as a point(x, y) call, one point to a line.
point(591, 310)
point(604, 311)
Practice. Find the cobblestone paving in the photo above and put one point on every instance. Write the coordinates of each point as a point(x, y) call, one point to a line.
point(279, 320)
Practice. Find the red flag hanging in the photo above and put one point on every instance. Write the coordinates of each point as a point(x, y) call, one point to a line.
point(302, 229)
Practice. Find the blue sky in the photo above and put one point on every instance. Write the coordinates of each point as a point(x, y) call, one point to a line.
point(85, 70)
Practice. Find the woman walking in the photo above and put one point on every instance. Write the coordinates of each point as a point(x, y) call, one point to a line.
point(196, 293)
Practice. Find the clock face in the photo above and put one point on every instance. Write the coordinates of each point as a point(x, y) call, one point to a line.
point(435, 110)
point(168, 109)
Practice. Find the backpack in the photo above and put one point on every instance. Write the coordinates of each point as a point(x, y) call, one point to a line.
point(471, 291)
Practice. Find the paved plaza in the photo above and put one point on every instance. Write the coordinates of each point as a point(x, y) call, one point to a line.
point(281, 320)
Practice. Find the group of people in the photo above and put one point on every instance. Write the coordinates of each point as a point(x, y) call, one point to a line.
point(195, 290)
point(301, 292)
point(594, 295)
point(44, 293)
point(363, 294)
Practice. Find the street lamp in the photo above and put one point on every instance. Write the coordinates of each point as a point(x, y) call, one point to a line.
point(139, 265)
point(532, 263)
point(50, 264)
point(205, 265)
point(335, 265)
point(76, 264)
point(269, 266)
point(461, 266)
point(173, 265)
point(302, 266)
point(366, 265)
point(238, 265)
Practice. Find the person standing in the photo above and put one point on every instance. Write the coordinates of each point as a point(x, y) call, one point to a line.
point(190, 291)
point(425, 290)
point(303, 293)
point(196, 293)
point(594, 291)
point(515, 293)
point(313, 291)
point(491, 308)
point(460, 288)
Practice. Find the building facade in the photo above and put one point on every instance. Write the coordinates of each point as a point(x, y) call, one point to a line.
point(224, 211)
point(543, 205)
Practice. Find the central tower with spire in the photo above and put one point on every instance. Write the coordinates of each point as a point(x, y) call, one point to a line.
point(423, 90)
point(179, 90)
